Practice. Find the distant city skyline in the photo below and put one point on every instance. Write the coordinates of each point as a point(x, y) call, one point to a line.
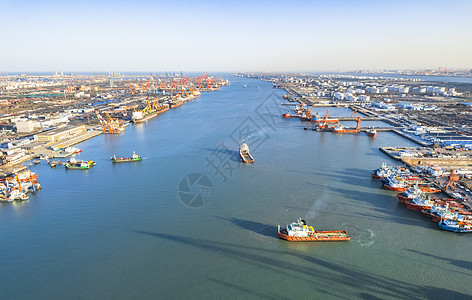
point(276, 36)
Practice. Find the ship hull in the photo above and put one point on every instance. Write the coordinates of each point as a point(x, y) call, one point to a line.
point(325, 121)
point(150, 116)
point(318, 236)
point(453, 229)
point(413, 206)
point(118, 160)
point(246, 158)
point(177, 104)
point(398, 189)
point(402, 198)
point(346, 131)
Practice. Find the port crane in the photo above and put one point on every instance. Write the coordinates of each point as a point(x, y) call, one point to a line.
point(109, 125)
point(451, 181)
point(307, 114)
point(358, 119)
point(323, 123)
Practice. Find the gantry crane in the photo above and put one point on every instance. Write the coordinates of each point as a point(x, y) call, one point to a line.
point(358, 119)
point(451, 181)
point(109, 125)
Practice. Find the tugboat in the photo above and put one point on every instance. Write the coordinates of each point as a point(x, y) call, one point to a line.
point(383, 171)
point(288, 115)
point(411, 193)
point(135, 157)
point(299, 232)
point(454, 225)
point(245, 154)
point(419, 203)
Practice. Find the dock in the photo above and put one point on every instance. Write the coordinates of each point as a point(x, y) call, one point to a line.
point(47, 148)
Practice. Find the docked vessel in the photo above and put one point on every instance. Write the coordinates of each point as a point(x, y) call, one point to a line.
point(14, 195)
point(454, 225)
point(54, 163)
point(428, 189)
point(148, 113)
point(79, 164)
point(341, 129)
point(175, 104)
point(245, 154)
point(396, 184)
point(419, 203)
point(299, 232)
point(371, 132)
point(287, 115)
point(411, 193)
point(382, 172)
point(26, 175)
point(67, 152)
point(326, 119)
point(438, 212)
point(134, 157)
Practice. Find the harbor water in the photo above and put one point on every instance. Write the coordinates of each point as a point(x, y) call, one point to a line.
point(191, 221)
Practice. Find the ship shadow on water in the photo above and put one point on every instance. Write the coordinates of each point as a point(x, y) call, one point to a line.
point(456, 262)
point(385, 213)
point(318, 274)
point(232, 154)
point(266, 230)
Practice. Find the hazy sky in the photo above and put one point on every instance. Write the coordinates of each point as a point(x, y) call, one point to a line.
point(322, 35)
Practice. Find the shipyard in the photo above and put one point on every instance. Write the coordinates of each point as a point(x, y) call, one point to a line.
point(428, 116)
point(434, 116)
point(44, 116)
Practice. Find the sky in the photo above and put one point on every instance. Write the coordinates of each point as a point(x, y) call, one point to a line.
point(197, 36)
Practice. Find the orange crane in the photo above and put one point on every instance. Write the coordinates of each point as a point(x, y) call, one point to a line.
point(308, 113)
point(323, 124)
point(110, 125)
point(358, 119)
point(132, 88)
point(451, 181)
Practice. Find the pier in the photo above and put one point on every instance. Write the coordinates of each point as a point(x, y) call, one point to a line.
point(47, 148)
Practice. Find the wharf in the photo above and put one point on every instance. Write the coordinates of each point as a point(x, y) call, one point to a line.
point(12, 169)
point(46, 149)
point(378, 129)
point(354, 119)
point(421, 142)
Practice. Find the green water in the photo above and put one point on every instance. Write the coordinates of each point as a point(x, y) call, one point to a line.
point(127, 231)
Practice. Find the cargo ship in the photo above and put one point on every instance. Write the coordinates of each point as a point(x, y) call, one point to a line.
point(341, 129)
point(139, 116)
point(67, 152)
point(245, 154)
point(318, 119)
point(287, 115)
point(175, 104)
point(134, 157)
point(79, 164)
point(299, 232)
